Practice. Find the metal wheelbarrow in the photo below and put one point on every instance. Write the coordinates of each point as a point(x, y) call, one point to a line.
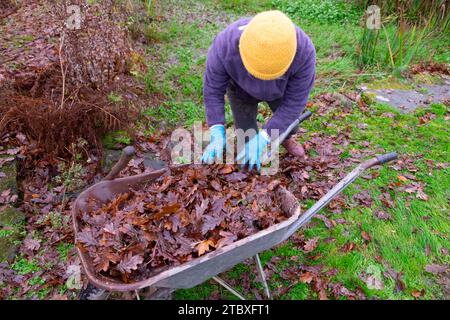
point(201, 269)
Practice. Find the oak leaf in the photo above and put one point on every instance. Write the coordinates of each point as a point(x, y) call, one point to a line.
point(204, 246)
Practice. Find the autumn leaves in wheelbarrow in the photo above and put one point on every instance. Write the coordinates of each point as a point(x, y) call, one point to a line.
point(179, 217)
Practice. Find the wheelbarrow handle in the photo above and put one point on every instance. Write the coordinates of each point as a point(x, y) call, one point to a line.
point(305, 116)
point(127, 154)
point(385, 158)
point(338, 188)
point(279, 140)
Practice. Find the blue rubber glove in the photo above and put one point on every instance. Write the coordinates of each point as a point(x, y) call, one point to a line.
point(217, 144)
point(253, 151)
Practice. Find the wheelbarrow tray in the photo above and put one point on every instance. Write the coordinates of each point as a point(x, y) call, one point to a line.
point(198, 270)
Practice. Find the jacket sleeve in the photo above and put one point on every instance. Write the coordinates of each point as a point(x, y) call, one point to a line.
point(215, 83)
point(296, 96)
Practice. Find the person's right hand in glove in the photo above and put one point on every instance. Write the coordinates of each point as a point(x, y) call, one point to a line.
point(215, 148)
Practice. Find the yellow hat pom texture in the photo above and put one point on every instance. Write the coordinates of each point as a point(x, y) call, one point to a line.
point(268, 45)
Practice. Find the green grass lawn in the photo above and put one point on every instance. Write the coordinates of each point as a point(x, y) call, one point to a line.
point(416, 235)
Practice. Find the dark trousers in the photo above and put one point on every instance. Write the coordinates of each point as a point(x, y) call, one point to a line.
point(245, 110)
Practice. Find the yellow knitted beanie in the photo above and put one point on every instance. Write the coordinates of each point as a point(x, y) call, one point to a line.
point(268, 45)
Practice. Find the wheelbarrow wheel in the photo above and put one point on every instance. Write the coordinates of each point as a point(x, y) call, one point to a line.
point(91, 292)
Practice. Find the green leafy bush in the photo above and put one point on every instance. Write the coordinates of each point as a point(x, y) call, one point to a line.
point(325, 11)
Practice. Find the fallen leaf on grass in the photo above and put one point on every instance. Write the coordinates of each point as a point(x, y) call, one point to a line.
point(417, 294)
point(421, 195)
point(396, 276)
point(328, 223)
point(320, 287)
point(418, 189)
point(382, 215)
point(73, 274)
point(410, 176)
point(386, 199)
point(310, 245)
point(306, 277)
point(366, 236)
point(388, 115)
point(373, 278)
point(349, 246)
point(31, 244)
point(399, 284)
point(339, 290)
point(436, 268)
point(364, 198)
point(374, 283)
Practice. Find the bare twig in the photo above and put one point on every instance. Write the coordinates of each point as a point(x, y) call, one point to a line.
point(63, 72)
point(111, 116)
point(59, 239)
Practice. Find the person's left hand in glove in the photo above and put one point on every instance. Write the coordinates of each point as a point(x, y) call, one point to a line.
point(253, 150)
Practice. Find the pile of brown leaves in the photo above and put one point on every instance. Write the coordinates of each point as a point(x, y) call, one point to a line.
point(431, 67)
point(177, 218)
point(34, 38)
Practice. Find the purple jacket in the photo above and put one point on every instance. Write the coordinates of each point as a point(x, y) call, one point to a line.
point(224, 64)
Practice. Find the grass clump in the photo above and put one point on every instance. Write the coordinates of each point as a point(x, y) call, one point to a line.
point(324, 12)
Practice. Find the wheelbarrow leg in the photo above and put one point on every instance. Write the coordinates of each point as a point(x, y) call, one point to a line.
point(262, 276)
point(228, 287)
